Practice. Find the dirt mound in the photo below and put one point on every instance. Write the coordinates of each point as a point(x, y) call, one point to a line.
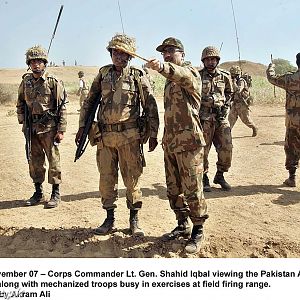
point(254, 69)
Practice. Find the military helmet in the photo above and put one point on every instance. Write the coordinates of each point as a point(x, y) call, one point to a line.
point(235, 70)
point(210, 51)
point(80, 73)
point(122, 41)
point(36, 52)
point(171, 41)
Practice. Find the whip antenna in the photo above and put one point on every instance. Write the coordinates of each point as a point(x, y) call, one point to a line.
point(236, 33)
point(121, 17)
point(59, 14)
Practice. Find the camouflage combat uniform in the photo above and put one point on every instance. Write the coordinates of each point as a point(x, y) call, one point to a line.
point(120, 141)
point(42, 96)
point(290, 82)
point(240, 101)
point(83, 88)
point(216, 96)
point(183, 142)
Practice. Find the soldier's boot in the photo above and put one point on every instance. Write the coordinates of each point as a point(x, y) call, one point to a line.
point(182, 230)
point(291, 181)
point(194, 243)
point(206, 185)
point(108, 224)
point(254, 131)
point(219, 179)
point(37, 196)
point(55, 197)
point(135, 229)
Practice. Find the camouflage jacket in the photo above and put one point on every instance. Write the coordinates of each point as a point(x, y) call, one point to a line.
point(182, 97)
point(240, 91)
point(41, 96)
point(290, 82)
point(121, 101)
point(216, 93)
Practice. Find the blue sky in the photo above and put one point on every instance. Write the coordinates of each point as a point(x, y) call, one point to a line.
point(264, 27)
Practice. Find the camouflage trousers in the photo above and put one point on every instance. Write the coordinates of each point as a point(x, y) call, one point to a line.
point(218, 134)
point(184, 172)
point(128, 158)
point(242, 111)
point(292, 147)
point(83, 95)
point(41, 146)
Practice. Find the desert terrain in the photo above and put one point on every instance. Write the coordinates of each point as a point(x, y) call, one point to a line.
point(259, 217)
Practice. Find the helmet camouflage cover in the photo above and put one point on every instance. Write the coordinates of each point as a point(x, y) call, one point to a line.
point(36, 52)
point(210, 51)
point(122, 41)
point(235, 70)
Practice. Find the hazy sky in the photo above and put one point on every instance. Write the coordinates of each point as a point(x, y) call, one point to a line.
point(264, 27)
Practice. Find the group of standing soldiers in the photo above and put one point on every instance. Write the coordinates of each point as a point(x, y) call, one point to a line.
point(196, 107)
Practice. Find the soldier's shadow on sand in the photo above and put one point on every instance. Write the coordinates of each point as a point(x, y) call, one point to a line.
point(279, 143)
point(81, 242)
point(287, 196)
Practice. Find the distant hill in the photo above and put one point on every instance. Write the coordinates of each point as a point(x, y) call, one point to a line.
point(252, 68)
point(69, 73)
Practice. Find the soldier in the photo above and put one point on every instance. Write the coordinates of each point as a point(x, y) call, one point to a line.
point(123, 89)
point(43, 96)
point(290, 82)
point(183, 142)
point(83, 88)
point(241, 100)
point(215, 102)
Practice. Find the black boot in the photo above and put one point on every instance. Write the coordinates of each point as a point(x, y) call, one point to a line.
point(206, 185)
point(254, 131)
point(37, 196)
point(219, 179)
point(108, 223)
point(291, 181)
point(55, 197)
point(134, 224)
point(183, 229)
point(194, 243)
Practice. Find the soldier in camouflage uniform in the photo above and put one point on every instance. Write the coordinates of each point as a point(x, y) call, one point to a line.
point(42, 94)
point(290, 82)
point(83, 88)
point(241, 101)
point(183, 142)
point(215, 103)
point(123, 90)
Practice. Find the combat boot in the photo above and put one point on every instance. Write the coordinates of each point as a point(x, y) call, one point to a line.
point(134, 224)
point(291, 181)
point(55, 197)
point(194, 243)
point(219, 179)
point(254, 131)
point(108, 224)
point(182, 230)
point(206, 185)
point(37, 196)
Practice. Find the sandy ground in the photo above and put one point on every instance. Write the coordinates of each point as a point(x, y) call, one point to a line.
point(259, 217)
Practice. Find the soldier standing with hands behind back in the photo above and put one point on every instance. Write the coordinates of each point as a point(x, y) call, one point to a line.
point(83, 88)
point(123, 90)
point(290, 82)
point(215, 103)
point(43, 97)
point(183, 142)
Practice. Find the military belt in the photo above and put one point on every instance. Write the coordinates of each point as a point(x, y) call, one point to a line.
point(117, 127)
